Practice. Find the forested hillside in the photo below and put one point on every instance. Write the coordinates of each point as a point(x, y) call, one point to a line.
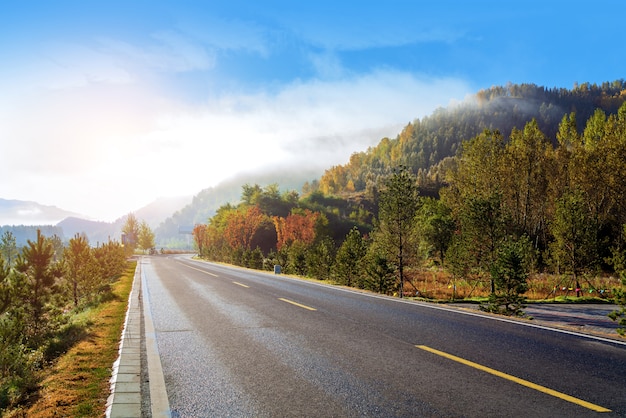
point(483, 193)
point(424, 143)
point(207, 201)
point(24, 233)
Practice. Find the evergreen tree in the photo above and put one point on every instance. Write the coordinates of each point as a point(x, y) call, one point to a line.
point(347, 268)
point(8, 248)
point(380, 271)
point(619, 263)
point(510, 271)
point(5, 287)
point(398, 203)
point(321, 258)
point(81, 270)
point(37, 266)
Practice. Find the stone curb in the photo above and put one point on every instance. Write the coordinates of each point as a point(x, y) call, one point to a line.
point(125, 398)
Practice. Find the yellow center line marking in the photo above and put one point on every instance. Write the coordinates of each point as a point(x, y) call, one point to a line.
point(200, 270)
point(522, 382)
point(241, 284)
point(297, 304)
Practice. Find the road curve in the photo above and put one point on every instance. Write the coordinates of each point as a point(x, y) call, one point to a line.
point(235, 342)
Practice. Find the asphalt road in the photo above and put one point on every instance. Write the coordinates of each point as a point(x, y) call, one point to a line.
point(235, 342)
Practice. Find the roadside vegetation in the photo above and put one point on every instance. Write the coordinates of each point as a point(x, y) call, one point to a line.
point(56, 300)
point(506, 219)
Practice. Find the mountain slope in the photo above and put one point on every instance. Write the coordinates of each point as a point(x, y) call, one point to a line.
point(424, 143)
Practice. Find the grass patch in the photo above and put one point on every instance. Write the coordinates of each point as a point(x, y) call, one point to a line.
point(77, 384)
point(579, 300)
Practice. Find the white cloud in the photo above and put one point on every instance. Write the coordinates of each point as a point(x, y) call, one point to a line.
point(166, 51)
point(327, 65)
point(228, 34)
point(59, 66)
point(104, 150)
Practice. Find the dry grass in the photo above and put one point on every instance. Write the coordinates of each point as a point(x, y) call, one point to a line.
point(77, 385)
point(439, 285)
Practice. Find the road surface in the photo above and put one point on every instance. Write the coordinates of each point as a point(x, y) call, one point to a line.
point(235, 342)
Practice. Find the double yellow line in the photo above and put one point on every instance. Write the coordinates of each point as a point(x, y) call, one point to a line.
point(543, 389)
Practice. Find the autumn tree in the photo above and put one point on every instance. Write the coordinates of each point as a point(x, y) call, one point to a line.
point(145, 237)
point(241, 226)
point(397, 206)
point(130, 232)
point(298, 226)
point(200, 238)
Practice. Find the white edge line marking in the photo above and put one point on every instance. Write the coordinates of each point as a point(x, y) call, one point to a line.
point(159, 403)
point(433, 306)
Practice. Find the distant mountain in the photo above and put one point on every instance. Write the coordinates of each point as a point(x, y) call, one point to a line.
point(96, 232)
point(54, 221)
point(99, 232)
point(24, 233)
point(19, 212)
point(159, 210)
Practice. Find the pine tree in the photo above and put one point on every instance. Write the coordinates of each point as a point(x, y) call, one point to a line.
point(347, 267)
point(396, 214)
point(36, 264)
point(510, 271)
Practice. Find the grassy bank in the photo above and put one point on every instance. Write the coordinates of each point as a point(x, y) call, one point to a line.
point(77, 384)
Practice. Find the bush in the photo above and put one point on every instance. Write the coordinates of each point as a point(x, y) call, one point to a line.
point(509, 273)
point(18, 372)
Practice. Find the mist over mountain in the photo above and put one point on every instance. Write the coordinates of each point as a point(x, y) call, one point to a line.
point(19, 212)
point(425, 143)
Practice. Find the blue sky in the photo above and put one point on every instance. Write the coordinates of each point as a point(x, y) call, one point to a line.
point(108, 105)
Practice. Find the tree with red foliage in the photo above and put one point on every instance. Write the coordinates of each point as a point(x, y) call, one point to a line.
point(242, 225)
point(296, 227)
point(200, 237)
